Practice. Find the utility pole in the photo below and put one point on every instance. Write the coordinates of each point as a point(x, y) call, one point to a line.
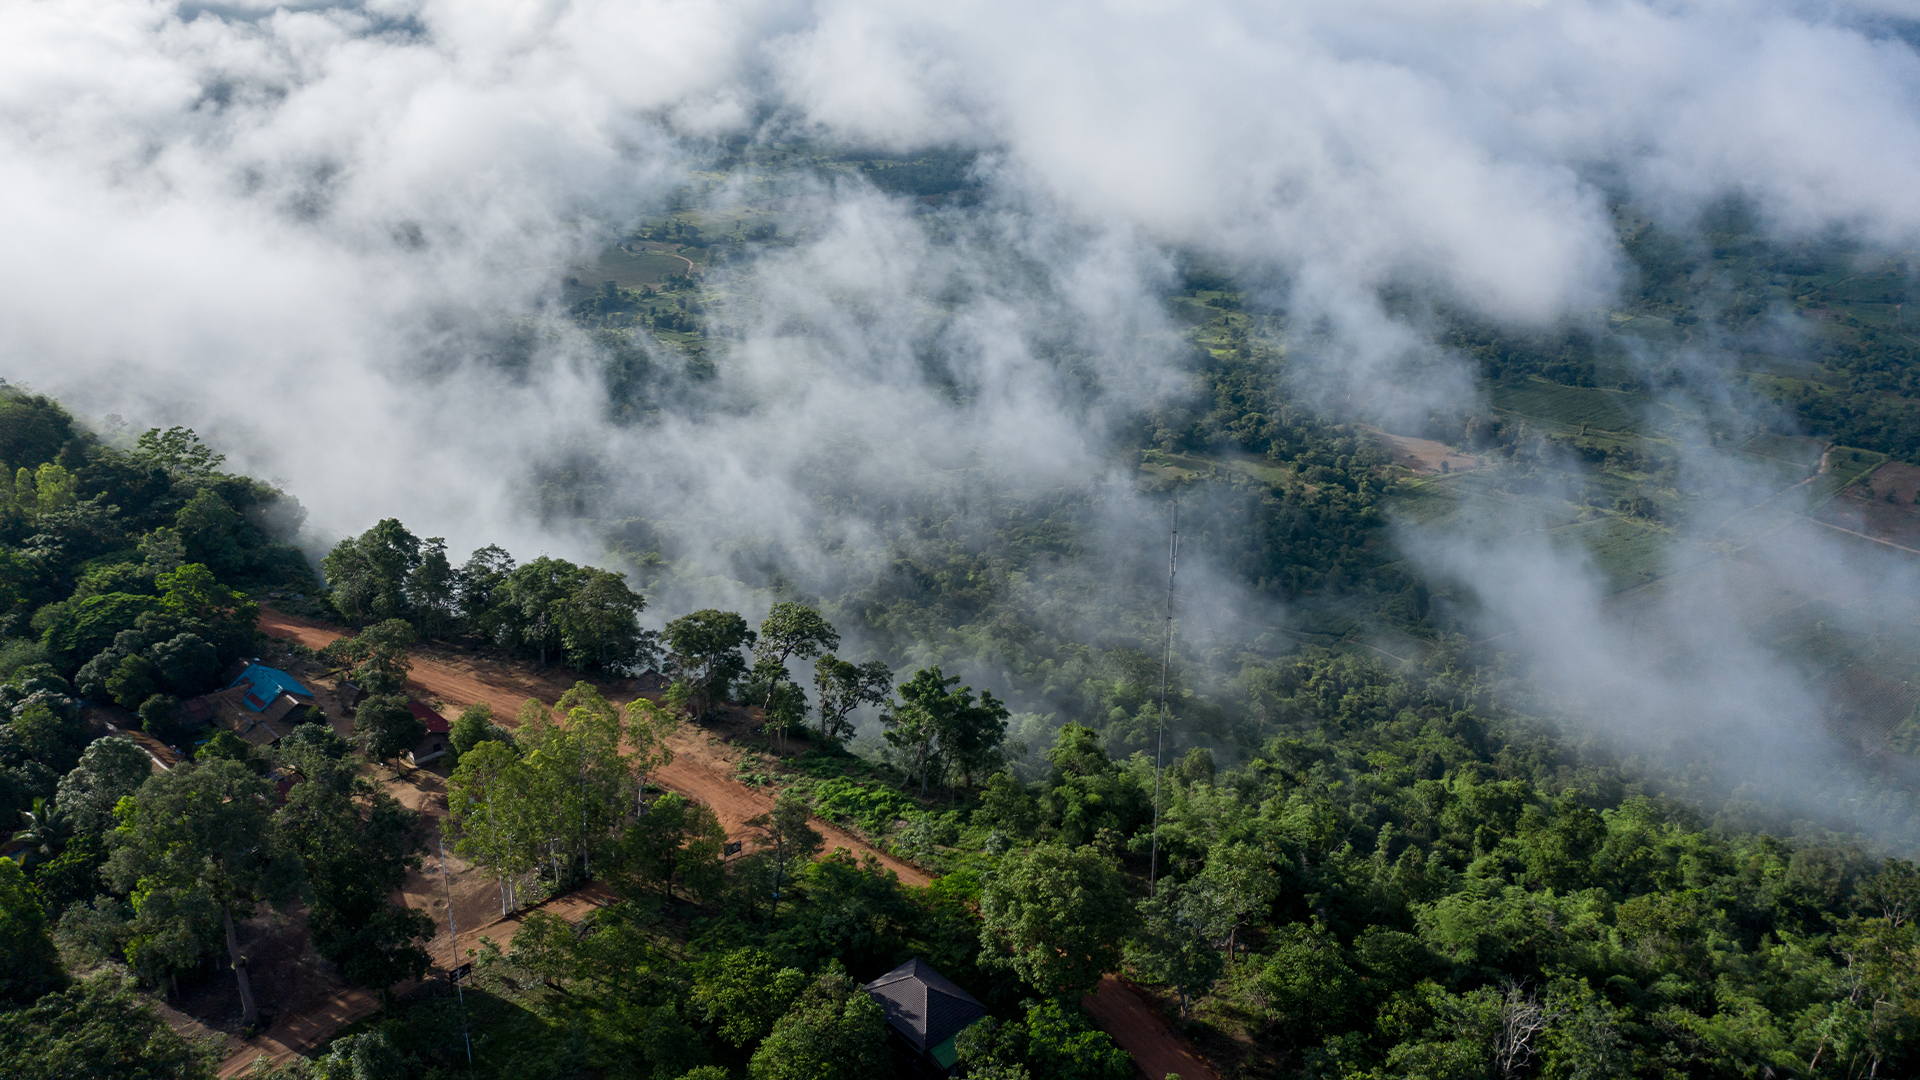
point(453, 946)
point(1160, 729)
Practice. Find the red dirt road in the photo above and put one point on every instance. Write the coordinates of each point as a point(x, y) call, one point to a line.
point(702, 766)
point(1143, 1031)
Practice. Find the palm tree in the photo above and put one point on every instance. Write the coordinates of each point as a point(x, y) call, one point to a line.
point(47, 829)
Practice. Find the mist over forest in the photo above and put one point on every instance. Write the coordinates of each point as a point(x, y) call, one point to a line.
point(1529, 386)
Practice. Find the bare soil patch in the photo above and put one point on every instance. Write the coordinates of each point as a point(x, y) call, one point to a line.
point(1423, 456)
point(1881, 505)
point(1144, 1032)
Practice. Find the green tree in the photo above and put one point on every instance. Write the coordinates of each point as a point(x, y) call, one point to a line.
point(479, 588)
point(1236, 885)
point(835, 1029)
point(786, 709)
point(431, 589)
point(1057, 917)
point(789, 632)
point(367, 574)
point(133, 680)
point(356, 844)
point(207, 527)
point(193, 591)
point(80, 630)
point(536, 596)
point(369, 1055)
point(50, 734)
point(676, 842)
point(199, 839)
point(598, 622)
point(33, 966)
point(488, 815)
point(99, 1030)
point(377, 656)
point(1051, 1042)
point(387, 727)
point(179, 453)
point(743, 992)
point(937, 722)
point(1086, 793)
point(843, 687)
point(1306, 986)
point(1173, 949)
point(789, 836)
point(185, 664)
point(581, 781)
point(705, 654)
point(47, 827)
point(160, 717)
point(472, 727)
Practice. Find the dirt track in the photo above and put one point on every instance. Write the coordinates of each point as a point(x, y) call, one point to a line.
point(702, 766)
point(1143, 1031)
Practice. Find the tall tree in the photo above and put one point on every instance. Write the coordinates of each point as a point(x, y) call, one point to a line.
point(648, 727)
point(487, 815)
point(472, 727)
point(938, 718)
point(32, 966)
point(387, 727)
point(431, 589)
point(356, 844)
point(1057, 917)
point(834, 1029)
point(705, 654)
point(367, 574)
point(844, 687)
point(676, 844)
point(598, 622)
point(479, 587)
point(789, 632)
point(535, 594)
point(376, 658)
point(199, 839)
point(789, 837)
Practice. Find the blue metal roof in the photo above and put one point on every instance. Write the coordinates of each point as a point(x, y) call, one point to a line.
point(264, 684)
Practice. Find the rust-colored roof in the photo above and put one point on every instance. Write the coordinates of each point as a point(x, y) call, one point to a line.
point(436, 724)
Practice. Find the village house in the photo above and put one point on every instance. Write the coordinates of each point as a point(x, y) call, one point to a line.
point(434, 744)
point(925, 1011)
point(261, 706)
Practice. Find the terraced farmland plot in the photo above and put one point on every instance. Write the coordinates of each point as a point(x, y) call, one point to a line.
point(1795, 449)
point(630, 269)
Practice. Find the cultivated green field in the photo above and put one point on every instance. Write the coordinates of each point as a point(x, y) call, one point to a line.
point(1572, 406)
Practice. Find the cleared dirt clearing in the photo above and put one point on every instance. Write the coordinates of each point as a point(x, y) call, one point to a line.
point(702, 765)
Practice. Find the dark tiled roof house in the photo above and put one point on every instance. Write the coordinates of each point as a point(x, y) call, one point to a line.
point(925, 1010)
